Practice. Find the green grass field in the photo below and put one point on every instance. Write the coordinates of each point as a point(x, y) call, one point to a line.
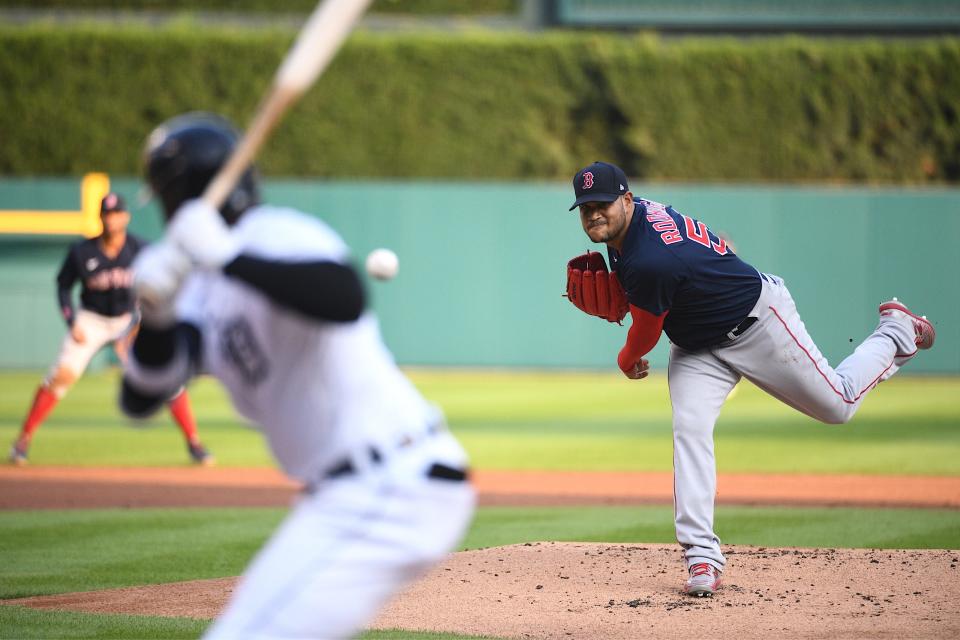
point(20, 623)
point(574, 421)
point(582, 421)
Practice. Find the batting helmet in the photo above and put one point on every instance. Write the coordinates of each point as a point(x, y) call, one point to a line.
point(183, 155)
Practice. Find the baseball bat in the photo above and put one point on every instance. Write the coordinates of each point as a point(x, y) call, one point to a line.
point(316, 44)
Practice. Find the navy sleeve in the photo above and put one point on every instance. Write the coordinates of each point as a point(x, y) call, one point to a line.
point(323, 290)
point(66, 278)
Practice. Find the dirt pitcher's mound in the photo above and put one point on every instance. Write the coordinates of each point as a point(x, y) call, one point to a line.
point(576, 590)
point(579, 590)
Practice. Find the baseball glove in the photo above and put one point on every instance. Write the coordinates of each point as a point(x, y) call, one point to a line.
point(595, 290)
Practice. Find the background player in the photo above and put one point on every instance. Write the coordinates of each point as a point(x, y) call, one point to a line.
point(271, 306)
point(725, 321)
point(102, 265)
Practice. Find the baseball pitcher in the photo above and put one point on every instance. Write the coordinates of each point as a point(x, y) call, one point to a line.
point(106, 316)
point(725, 321)
point(265, 299)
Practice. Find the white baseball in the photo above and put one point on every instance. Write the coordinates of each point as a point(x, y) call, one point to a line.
point(382, 264)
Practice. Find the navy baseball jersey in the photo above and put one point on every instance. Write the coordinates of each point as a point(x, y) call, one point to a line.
point(670, 262)
point(105, 282)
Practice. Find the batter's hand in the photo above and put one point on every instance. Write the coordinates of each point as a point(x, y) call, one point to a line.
point(158, 273)
point(639, 371)
point(77, 334)
point(199, 231)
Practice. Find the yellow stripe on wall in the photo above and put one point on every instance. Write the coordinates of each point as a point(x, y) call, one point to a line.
point(85, 222)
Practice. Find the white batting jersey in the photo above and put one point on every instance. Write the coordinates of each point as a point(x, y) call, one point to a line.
point(317, 390)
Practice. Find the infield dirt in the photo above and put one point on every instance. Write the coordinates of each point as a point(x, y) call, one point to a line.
point(91, 487)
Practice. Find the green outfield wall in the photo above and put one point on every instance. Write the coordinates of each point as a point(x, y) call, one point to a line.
point(747, 15)
point(483, 264)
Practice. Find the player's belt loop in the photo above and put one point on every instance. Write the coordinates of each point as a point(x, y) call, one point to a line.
point(373, 456)
point(437, 471)
point(348, 466)
point(741, 328)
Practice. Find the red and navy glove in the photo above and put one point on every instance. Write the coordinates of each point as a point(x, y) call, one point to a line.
point(595, 290)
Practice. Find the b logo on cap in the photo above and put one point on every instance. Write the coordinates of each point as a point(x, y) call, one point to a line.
point(588, 180)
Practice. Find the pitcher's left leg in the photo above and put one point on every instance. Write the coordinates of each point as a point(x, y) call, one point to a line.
point(780, 357)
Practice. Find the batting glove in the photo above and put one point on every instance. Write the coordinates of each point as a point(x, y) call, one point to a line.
point(200, 232)
point(158, 273)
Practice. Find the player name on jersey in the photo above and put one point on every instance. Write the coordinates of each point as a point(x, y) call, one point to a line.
point(664, 224)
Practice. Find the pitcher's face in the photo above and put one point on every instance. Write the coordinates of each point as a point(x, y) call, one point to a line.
point(606, 221)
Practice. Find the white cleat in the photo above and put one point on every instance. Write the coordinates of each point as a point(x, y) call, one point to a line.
point(925, 333)
point(704, 580)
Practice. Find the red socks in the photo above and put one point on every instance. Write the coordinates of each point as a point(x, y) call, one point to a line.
point(45, 400)
point(183, 415)
point(43, 403)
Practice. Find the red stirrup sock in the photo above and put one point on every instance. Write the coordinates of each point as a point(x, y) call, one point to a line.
point(183, 415)
point(43, 403)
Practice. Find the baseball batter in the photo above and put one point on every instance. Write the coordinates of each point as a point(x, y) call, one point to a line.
point(725, 321)
point(266, 300)
point(102, 265)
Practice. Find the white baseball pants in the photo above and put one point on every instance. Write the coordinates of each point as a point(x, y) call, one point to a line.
point(778, 355)
point(99, 331)
point(346, 549)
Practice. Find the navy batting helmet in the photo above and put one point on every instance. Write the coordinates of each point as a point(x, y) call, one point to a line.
point(183, 155)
